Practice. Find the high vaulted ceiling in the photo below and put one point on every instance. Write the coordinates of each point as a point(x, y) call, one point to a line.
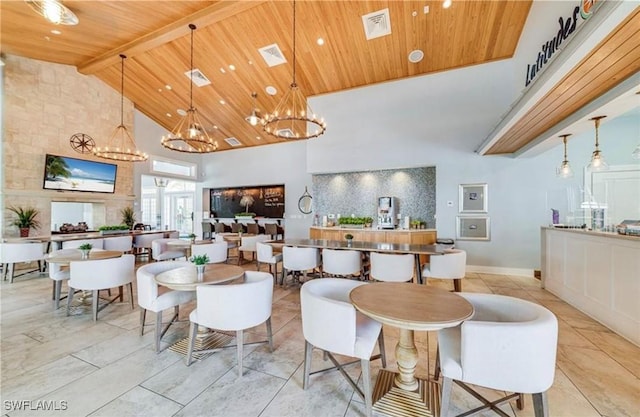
point(155, 37)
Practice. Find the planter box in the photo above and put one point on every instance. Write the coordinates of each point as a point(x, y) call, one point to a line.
point(238, 216)
point(352, 226)
point(113, 232)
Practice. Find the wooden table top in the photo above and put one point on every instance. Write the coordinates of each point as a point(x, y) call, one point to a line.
point(186, 278)
point(363, 246)
point(411, 306)
point(74, 256)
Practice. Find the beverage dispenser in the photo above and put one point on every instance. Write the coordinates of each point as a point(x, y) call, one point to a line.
point(387, 212)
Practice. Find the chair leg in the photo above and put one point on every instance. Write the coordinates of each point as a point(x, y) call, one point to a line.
point(447, 385)
point(158, 334)
point(436, 371)
point(130, 291)
point(193, 332)
point(257, 265)
point(96, 294)
point(240, 344)
point(540, 406)
point(366, 385)
point(57, 288)
point(269, 334)
point(520, 402)
point(457, 285)
point(143, 316)
point(69, 299)
point(308, 351)
point(12, 268)
point(383, 355)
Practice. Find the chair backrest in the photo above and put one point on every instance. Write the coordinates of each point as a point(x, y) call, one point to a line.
point(253, 228)
point(146, 284)
point(248, 243)
point(271, 229)
point(55, 269)
point(102, 273)
point(217, 252)
point(236, 306)
point(95, 243)
point(300, 259)
point(121, 243)
point(328, 317)
point(218, 227)
point(503, 331)
point(451, 265)
point(236, 227)
point(173, 235)
point(392, 267)
point(144, 240)
point(159, 246)
point(264, 252)
point(207, 227)
point(21, 252)
point(341, 262)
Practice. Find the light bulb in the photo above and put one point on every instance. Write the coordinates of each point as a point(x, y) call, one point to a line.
point(446, 4)
point(52, 11)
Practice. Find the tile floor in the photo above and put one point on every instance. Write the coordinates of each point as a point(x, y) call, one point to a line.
point(107, 369)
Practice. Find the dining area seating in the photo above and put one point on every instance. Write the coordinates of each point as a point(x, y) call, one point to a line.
point(450, 266)
point(299, 262)
point(391, 267)
point(217, 252)
point(19, 252)
point(161, 250)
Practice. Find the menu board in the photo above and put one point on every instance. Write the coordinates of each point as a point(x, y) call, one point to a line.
point(263, 200)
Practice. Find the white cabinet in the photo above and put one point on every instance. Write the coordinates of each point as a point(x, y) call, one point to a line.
point(598, 273)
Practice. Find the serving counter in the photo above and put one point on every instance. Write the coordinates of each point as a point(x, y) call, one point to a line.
point(596, 272)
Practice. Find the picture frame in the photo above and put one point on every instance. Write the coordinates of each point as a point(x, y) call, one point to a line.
point(473, 198)
point(473, 228)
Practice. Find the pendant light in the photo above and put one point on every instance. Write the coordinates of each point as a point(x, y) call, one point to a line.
point(253, 118)
point(121, 146)
point(190, 131)
point(292, 117)
point(597, 160)
point(54, 11)
point(565, 171)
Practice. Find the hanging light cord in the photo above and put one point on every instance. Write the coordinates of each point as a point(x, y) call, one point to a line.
point(293, 84)
point(192, 27)
point(597, 125)
point(122, 90)
point(564, 140)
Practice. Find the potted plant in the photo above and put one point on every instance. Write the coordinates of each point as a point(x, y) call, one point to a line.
point(26, 219)
point(85, 248)
point(113, 229)
point(349, 238)
point(199, 261)
point(128, 217)
point(192, 236)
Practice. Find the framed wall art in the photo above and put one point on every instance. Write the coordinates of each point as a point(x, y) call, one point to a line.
point(473, 198)
point(473, 228)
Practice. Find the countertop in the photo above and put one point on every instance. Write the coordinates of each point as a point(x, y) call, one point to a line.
point(372, 229)
point(594, 233)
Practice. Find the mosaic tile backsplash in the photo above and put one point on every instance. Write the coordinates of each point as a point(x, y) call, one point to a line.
point(357, 193)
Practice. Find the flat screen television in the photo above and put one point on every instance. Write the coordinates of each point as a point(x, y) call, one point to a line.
point(63, 173)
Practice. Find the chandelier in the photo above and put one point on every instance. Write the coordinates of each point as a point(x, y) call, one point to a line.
point(565, 170)
point(292, 118)
point(190, 131)
point(54, 11)
point(597, 160)
point(123, 147)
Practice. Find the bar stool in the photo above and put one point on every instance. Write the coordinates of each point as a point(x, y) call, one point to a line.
point(207, 230)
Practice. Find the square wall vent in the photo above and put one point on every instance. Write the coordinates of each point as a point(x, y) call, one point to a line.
point(233, 142)
point(377, 24)
point(198, 77)
point(272, 55)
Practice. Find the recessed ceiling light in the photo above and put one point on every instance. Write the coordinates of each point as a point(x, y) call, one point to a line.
point(250, 62)
point(168, 87)
point(215, 126)
point(181, 112)
point(320, 41)
point(271, 90)
point(159, 90)
point(446, 4)
point(222, 70)
point(46, 38)
point(56, 32)
point(258, 137)
point(222, 102)
point(168, 114)
point(416, 56)
point(232, 67)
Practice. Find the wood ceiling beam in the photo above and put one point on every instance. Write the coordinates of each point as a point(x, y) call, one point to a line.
point(215, 13)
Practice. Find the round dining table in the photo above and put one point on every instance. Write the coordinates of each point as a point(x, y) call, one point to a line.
point(66, 256)
point(186, 278)
point(409, 307)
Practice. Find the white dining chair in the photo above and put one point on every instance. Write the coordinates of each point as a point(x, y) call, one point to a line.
point(265, 255)
point(152, 297)
point(508, 345)
point(340, 262)
point(97, 243)
point(217, 251)
point(452, 265)
point(13, 253)
point(234, 307)
point(392, 267)
point(58, 274)
point(248, 244)
point(298, 261)
point(161, 251)
point(331, 323)
point(101, 274)
point(121, 243)
point(142, 243)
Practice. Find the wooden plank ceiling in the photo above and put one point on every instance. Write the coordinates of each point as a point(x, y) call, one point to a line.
point(155, 37)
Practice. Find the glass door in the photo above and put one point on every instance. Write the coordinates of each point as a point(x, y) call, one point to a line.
point(181, 212)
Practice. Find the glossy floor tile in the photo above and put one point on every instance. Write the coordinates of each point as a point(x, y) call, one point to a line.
point(106, 368)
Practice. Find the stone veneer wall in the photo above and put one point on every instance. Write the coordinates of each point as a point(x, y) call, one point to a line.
point(44, 104)
point(357, 193)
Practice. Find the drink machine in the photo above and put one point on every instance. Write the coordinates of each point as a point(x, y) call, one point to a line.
point(387, 212)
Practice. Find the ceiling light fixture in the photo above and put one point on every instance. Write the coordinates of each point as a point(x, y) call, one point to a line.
point(161, 182)
point(253, 118)
point(597, 160)
point(292, 118)
point(190, 131)
point(565, 170)
point(447, 3)
point(123, 147)
point(54, 11)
